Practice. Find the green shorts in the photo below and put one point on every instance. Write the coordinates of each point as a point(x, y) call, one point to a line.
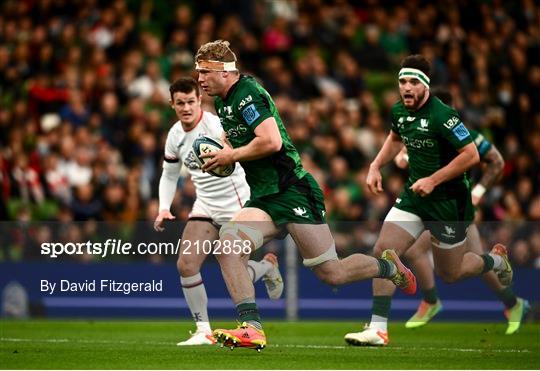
point(302, 202)
point(446, 218)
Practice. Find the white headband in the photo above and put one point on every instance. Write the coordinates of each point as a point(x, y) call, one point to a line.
point(416, 73)
point(215, 66)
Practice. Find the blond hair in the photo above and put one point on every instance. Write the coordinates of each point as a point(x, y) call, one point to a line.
point(217, 50)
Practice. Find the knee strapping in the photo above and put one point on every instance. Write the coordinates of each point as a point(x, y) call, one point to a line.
point(232, 228)
point(330, 254)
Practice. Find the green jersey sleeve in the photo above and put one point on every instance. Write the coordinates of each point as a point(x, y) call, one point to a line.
point(453, 129)
point(254, 106)
point(394, 119)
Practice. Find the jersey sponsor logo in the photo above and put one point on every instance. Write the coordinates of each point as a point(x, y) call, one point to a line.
point(401, 119)
point(461, 132)
point(301, 211)
point(423, 125)
point(244, 101)
point(237, 131)
point(452, 121)
point(411, 118)
point(418, 143)
point(250, 114)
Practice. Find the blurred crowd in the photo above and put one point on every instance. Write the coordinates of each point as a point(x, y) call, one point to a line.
point(84, 100)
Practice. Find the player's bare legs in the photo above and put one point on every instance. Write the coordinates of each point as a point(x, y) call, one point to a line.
point(200, 236)
point(456, 263)
point(474, 244)
point(190, 260)
point(316, 245)
point(255, 227)
point(232, 265)
point(314, 240)
point(418, 258)
point(515, 308)
point(431, 305)
point(393, 237)
point(376, 333)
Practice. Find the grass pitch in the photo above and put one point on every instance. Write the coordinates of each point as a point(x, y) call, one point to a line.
point(48, 344)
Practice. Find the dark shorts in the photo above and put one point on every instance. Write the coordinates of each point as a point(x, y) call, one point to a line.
point(302, 202)
point(447, 219)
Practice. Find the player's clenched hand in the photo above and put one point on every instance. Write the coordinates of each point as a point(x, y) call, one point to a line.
point(402, 160)
point(423, 186)
point(163, 215)
point(374, 180)
point(222, 157)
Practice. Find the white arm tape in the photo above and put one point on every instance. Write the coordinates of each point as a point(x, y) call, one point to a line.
point(478, 190)
point(167, 184)
point(232, 228)
point(330, 254)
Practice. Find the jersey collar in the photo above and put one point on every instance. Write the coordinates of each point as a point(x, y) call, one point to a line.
point(233, 87)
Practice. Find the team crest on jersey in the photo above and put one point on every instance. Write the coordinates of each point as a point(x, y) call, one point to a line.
point(461, 132)
point(227, 111)
point(423, 125)
point(301, 211)
point(190, 162)
point(251, 114)
point(449, 232)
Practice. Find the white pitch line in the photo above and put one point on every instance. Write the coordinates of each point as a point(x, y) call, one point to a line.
point(469, 350)
point(298, 346)
point(84, 341)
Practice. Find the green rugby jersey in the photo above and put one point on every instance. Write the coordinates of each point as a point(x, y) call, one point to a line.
point(246, 105)
point(433, 134)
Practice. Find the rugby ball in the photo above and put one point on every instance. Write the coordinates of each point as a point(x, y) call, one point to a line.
point(206, 144)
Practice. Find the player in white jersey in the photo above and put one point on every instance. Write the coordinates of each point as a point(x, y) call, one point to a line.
point(217, 200)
